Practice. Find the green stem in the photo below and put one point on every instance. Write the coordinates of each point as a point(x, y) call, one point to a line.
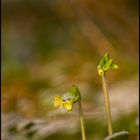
point(81, 120)
point(107, 104)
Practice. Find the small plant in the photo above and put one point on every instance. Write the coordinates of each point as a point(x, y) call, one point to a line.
point(73, 96)
point(106, 64)
point(68, 100)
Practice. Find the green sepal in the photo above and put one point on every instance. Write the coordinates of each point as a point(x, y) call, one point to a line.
point(105, 64)
point(75, 93)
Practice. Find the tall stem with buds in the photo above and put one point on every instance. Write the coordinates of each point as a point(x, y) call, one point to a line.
point(106, 64)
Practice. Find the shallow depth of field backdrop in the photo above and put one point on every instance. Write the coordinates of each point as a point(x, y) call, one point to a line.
point(49, 45)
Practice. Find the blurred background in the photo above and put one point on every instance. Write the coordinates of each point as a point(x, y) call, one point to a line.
point(49, 45)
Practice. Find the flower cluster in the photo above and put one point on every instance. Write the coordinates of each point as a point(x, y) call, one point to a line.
point(106, 64)
point(68, 99)
point(60, 102)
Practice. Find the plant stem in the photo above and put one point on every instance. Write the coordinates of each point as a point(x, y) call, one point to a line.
point(107, 104)
point(81, 120)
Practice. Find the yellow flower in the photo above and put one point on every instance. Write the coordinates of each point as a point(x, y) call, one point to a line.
point(58, 102)
point(68, 105)
point(100, 72)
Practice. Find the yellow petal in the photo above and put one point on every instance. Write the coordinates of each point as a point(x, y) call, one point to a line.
point(58, 101)
point(68, 105)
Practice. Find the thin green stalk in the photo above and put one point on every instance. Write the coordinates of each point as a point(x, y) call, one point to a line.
point(107, 104)
point(81, 120)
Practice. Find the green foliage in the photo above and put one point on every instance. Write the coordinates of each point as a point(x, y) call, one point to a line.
point(127, 122)
point(12, 129)
point(105, 64)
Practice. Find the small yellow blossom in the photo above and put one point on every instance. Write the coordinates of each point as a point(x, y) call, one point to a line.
point(58, 102)
point(100, 72)
point(68, 105)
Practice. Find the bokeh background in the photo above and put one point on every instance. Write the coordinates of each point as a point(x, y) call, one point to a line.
point(49, 45)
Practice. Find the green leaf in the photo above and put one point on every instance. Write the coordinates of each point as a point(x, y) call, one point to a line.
point(123, 135)
point(108, 64)
point(75, 93)
point(106, 56)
